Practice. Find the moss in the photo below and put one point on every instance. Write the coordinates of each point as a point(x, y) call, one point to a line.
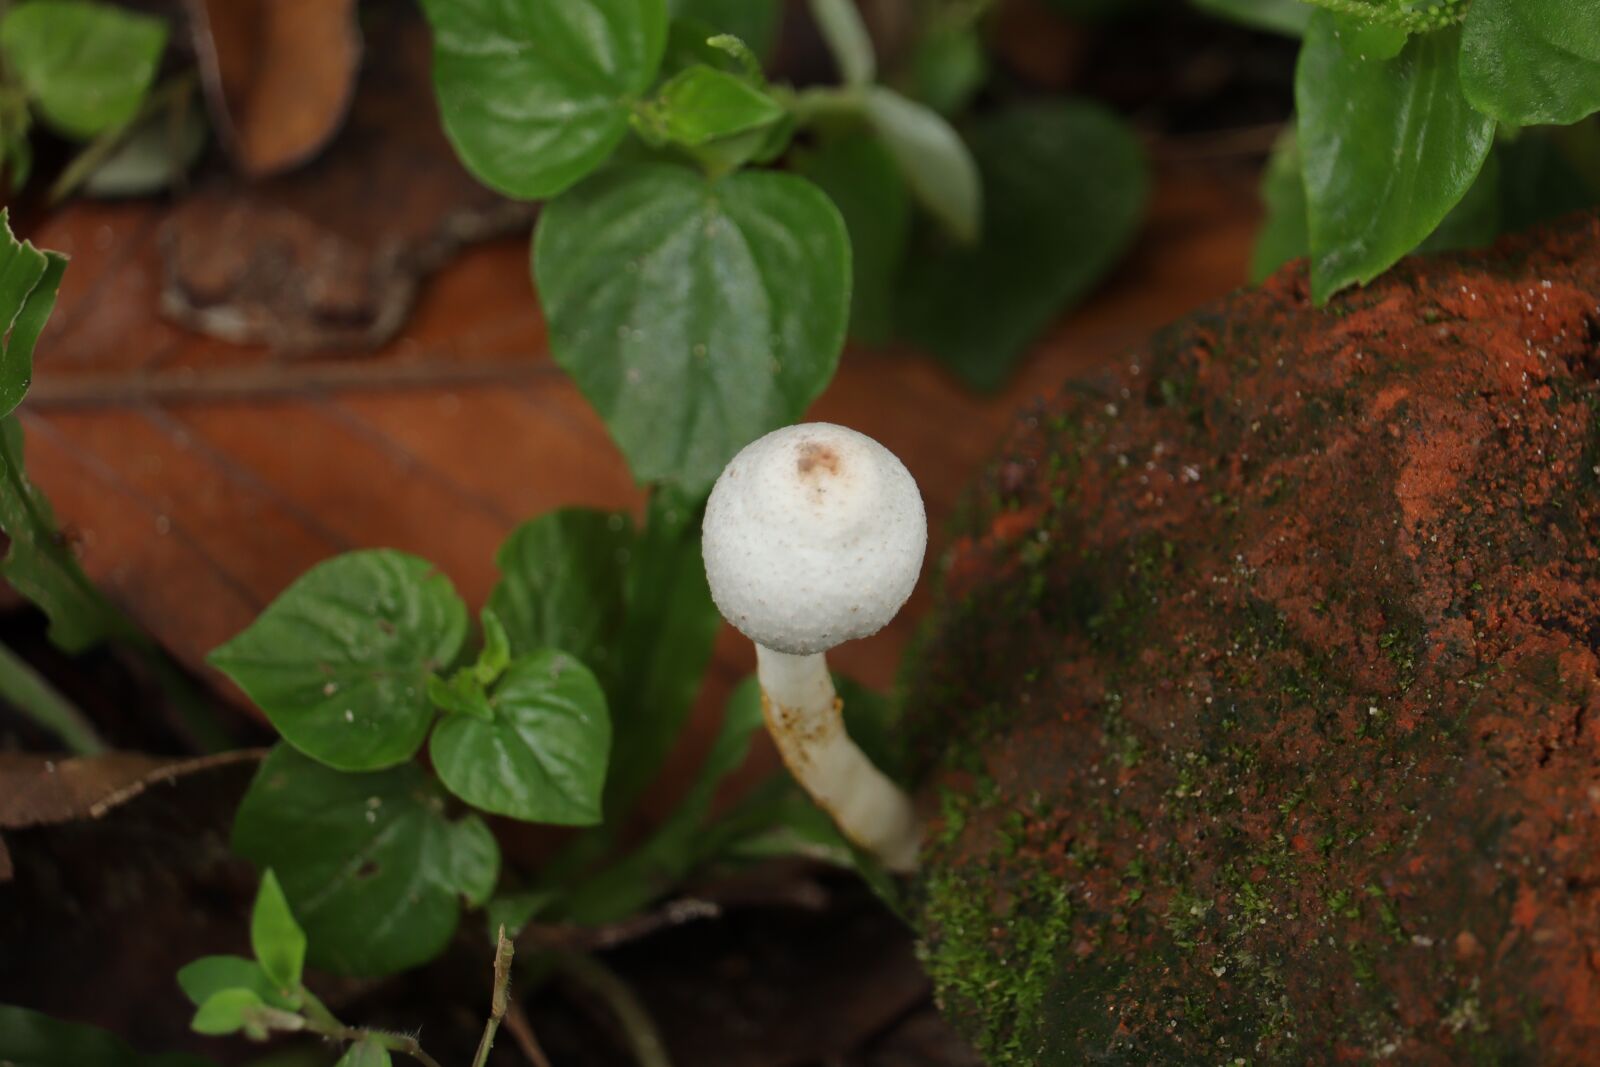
point(1254, 711)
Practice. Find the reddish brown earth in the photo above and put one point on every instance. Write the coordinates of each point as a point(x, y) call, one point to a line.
point(1259, 710)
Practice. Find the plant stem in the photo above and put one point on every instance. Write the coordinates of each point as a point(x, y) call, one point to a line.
point(27, 690)
point(503, 953)
point(317, 1019)
point(638, 1029)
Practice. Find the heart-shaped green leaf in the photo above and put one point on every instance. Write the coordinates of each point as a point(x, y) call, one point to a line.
point(340, 661)
point(694, 315)
point(1066, 185)
point(702, 103)
point(87, 66)
point(859, 175)
point(543, 757)
point(1388, 148)
point(373, 869)
point(1532, 62)
point(562, 582)
point(535, 94)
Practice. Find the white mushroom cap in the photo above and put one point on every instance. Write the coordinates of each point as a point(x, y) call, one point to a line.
point(813, 536)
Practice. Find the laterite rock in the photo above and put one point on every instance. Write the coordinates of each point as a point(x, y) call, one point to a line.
point(1259, 719)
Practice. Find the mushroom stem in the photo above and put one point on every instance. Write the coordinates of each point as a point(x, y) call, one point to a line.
point(805, 717)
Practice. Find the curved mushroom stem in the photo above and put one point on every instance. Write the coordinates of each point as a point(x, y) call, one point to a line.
point(804, 715)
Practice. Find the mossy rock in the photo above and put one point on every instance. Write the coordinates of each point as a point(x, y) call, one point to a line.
point(1259, 717)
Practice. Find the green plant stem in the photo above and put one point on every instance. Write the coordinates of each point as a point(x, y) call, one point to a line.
point(503, 954)
point(317, 1019)
point(825, 104)
point(170, 93)
point(27, 690)
point(638, 1029)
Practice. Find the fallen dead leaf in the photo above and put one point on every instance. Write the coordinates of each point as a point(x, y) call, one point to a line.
point(279, 75)
point(38, 791)
point(330, 255)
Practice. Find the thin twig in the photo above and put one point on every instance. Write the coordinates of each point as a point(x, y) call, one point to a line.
point(521, 1031)
point(274, 379)
point(30, 693)
point(638, 1029)
point(503, 953)
point(571, 937)
point(1240, 141)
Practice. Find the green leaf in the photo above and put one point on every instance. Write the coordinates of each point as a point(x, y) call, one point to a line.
point(373, 869)
point(703, 104)
point(461, 694)
point(1364, 40)
point(210, 975)
point(694, 315)
point(340, 661)
point(86, 66)
point(755, 22)
point(562, 585)
point(225, 1012)
point(664, 646)
point(543, 758)
point(859, 175)
point(1388, 148)
point(1287, 17)
point(1542, 176)
point(848, 40)
point(29, 280)
point(32, 1039)
point(275, 938)
point(40, 564)
point(934, 160)
point(1475, 220)
point(947, 68)
point(366, 1053)
point(672, 850)
point(1284, 234)
point(1531, 62)
point(535, 94)
point(1066, 191)
point(495, 656)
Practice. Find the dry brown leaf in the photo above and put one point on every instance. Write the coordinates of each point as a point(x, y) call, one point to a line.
point(331, 254)
point(37, 791)
point(279, 75)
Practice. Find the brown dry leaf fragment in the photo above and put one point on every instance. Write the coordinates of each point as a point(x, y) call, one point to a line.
point(331, 255)
point(36, 791)
point(279, 75)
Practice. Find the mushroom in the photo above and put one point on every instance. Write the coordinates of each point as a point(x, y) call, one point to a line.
point(814, 535)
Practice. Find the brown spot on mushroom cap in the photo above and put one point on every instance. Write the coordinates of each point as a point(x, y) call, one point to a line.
point(815, 458)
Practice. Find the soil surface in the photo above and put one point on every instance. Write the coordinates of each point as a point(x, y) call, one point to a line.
point(1258, 713)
